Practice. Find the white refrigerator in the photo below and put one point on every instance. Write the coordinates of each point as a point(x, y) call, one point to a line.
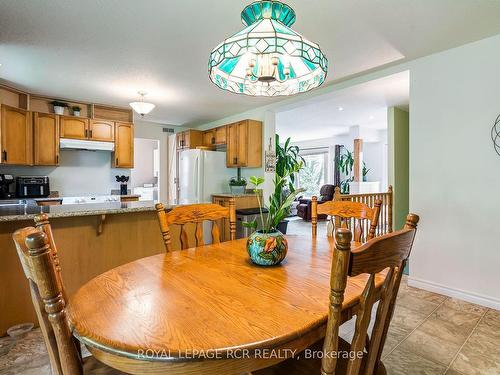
point(201, 174)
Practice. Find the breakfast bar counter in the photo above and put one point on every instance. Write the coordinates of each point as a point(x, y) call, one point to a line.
point(16, 212)
point(90, 239)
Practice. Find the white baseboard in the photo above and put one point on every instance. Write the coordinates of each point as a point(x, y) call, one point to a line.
point(455, 293)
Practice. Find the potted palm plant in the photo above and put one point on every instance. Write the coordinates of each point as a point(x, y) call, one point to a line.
point(267, 246)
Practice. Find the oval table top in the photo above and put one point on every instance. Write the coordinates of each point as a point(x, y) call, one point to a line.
point(209, 298)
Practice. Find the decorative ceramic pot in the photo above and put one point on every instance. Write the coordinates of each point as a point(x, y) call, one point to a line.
point(267, 249)
point(58, 110)
point(76, 113)
point(237, 189)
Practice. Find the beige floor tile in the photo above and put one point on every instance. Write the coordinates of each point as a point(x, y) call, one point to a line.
point(395, 336)
point(462, 319)
point(470, 362)
point(446, 330)
point(402, 362)
point(493, 317)
point(464, 306)
point(489, 328)
point(416, 303)
point(485, 343)
point(453, 372)
point(406, 318)
point(431, 347)
point(423, 294)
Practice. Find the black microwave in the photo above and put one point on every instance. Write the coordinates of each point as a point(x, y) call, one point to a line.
point(32, 186)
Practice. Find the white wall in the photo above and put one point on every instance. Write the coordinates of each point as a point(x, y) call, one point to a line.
point(455, 173)
point(79, 173)
point(143, 171)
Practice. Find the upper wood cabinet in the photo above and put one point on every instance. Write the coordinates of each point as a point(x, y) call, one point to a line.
point(244, 144)
point(189, 139)
point(74, 127)
point(215, 137)
point(16, 132)
point(124, 145)
point(100, 130)
point(46, 139)
point(220, 135)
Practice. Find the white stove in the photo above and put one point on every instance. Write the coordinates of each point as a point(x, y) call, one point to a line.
point(91, 199)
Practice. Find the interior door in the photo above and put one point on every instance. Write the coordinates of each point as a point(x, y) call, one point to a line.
point(46, 137)
point(102, 130)
point(74, 127)
point(16, 136)
point(124, 145)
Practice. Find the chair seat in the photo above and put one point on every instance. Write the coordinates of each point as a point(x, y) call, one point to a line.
point(305, 366)
point(92, 366)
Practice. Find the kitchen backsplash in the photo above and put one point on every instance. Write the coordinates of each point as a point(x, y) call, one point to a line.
point(79, 173)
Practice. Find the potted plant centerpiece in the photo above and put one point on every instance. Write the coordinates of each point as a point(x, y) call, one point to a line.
point(58, 107)
point(267, 246)
point(76, 111)
point(237, 185)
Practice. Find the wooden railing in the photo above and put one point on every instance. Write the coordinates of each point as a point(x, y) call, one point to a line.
point(385, 221)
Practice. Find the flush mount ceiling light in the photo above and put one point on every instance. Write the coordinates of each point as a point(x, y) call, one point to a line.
point(142, 107)
point(267, 58)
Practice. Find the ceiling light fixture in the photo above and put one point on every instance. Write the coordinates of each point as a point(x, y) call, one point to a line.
point(267, 58)
point(341, 109)
point(142, 107)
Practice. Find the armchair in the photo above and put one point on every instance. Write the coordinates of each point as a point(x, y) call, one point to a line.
point(304, 207)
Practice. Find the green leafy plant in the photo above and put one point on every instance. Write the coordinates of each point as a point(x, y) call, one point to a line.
point(76, 108)
point(345, 165)
point(365, 171)
point(288, 164)
point(278, 208)
point(57, 103)
point(235, 181)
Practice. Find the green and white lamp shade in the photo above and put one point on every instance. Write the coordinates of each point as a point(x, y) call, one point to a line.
point(267, 58)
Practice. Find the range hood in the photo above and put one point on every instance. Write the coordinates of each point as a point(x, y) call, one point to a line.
point(78, 144)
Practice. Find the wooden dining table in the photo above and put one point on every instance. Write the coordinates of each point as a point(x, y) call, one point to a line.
point(209, 310)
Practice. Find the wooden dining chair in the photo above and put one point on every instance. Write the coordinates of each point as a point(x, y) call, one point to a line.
point(41, 267)
point(388, 253)
point(195, 214)
point(347, 214)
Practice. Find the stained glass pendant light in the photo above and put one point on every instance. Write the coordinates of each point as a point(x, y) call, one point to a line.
point(267, 58)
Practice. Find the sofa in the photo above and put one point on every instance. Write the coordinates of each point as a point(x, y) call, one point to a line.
point(304, 207)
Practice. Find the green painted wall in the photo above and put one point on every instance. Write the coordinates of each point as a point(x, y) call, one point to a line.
point(399, 164)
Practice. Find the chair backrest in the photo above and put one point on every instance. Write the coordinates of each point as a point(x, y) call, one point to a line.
point(356, 216)
point(197, 214)
point(388, 252)
point(37, 259)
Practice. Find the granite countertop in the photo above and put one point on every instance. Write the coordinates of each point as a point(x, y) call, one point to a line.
point(229, 195)
point(17, 212)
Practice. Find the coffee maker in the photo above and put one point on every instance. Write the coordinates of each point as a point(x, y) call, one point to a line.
point(5, 181)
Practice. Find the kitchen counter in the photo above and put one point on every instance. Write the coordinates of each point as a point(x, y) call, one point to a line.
point(18, 212)
point(229, 195)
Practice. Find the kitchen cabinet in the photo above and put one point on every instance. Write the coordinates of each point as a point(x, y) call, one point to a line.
point(16, 132)
point(74, 127)
point(124, 145)
point(220, 135)
point(189, 139)
point(46, 139)
point(209, 138)
point(244, 144)
point(100, 130)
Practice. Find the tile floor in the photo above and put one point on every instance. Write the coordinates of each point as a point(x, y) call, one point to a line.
point(429, 334)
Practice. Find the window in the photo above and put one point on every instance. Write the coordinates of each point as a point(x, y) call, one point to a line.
point(314, 174)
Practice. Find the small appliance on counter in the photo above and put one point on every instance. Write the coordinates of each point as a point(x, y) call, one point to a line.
point(123, 184)
point(5, 181)
point(32, 186)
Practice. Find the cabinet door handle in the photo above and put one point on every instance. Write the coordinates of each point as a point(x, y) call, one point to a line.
point(4, 155)
point(57, 159)
point(116, 161)
point(90, 133)
point(235, 160)
point(213, 140)
point(86, 133)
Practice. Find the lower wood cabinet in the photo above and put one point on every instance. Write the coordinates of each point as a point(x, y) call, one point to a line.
point(16, 132)
point(74, 127)
point(100, 130)
point(124, 145)
point(46, 139)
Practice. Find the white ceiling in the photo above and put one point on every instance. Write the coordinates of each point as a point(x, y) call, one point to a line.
point(105, 51)
point(363, 105)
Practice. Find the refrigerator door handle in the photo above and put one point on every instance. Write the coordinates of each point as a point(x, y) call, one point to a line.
point(197, 178)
